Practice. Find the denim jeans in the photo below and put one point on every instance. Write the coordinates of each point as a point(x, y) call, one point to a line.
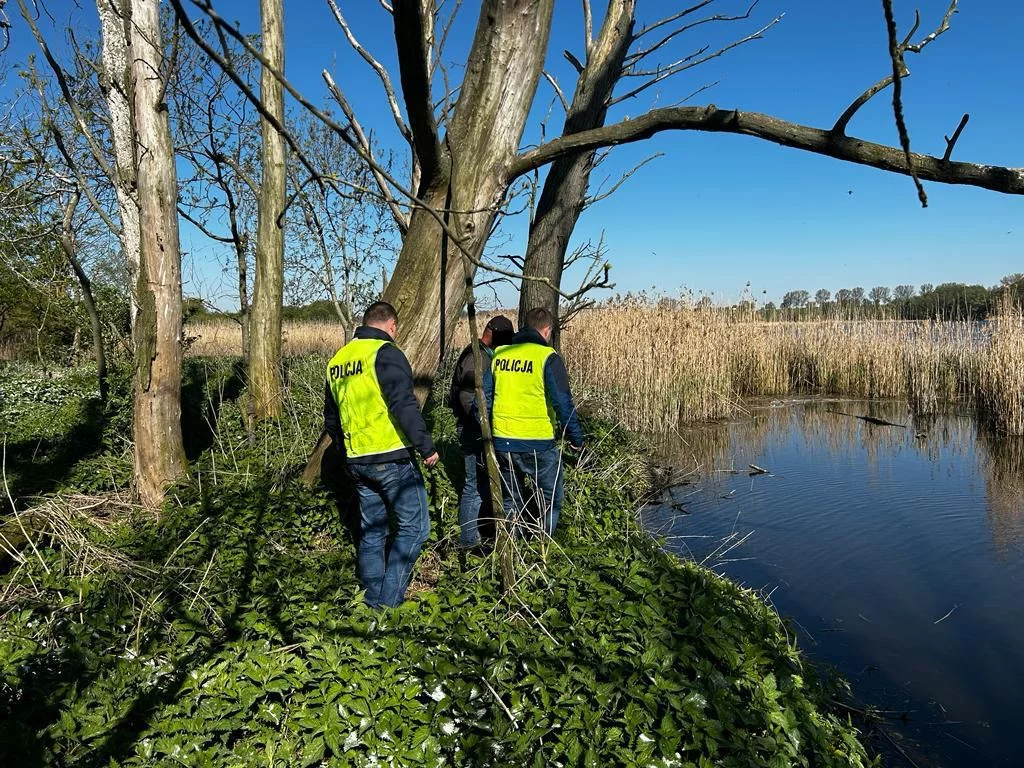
point(545, 470)
point(475, 489)
point(392, 488)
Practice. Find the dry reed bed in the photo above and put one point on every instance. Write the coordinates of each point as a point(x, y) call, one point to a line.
point(305, 337)
point(668, 366)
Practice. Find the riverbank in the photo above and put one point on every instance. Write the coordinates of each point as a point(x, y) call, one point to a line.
point(230, 631)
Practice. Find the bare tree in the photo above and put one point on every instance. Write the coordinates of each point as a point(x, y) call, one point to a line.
point(880, 294)
point(822, 296)
point(265, 383)
point(619, 54)
point(342, 236)
point(156, 427)
point(216, 136)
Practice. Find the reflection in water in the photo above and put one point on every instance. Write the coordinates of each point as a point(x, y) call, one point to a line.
point(1003, 460)
point(897, 550)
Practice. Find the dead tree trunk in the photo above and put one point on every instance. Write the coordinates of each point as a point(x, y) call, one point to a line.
point(159, 452)
point(265, 382)
point(481, 141)
point(565, 188)
point(116, 84)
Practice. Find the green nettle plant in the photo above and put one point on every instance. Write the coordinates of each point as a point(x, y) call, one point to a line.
point(231, 630)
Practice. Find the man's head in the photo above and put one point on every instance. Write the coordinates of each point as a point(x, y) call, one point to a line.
point(382, 316)
point(497, 332)
point(541, 321)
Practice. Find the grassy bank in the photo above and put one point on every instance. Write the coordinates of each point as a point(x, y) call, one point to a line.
point(231, 631)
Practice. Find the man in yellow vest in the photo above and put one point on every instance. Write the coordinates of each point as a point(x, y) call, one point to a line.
point(531, 406)
point(371, 413)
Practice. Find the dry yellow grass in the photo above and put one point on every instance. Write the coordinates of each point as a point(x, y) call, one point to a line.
point(671, 365)
point(224, 338)
point(666, 365)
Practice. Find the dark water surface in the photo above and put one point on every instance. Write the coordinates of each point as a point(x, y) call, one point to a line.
point(898, 552)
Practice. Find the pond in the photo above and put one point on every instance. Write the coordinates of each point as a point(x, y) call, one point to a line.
point(897, 551)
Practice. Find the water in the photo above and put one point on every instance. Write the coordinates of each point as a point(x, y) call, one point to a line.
point(898, 553)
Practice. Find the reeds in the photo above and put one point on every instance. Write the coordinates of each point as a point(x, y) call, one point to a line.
point(224, 338)
point(670, 365)
point(665, 365)
point(1001, 373)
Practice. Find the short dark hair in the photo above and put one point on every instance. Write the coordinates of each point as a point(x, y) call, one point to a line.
point(379, 313)
point(501, 330)
point(539, 318)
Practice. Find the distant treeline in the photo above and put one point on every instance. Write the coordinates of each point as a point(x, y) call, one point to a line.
point(947, 301)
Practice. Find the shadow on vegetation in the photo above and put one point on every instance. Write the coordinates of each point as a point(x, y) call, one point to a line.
point(205, 386)
point(41, 465)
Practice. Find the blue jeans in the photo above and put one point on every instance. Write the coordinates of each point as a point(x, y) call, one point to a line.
point(475, 488)
point(545, 470)
point(392, 488)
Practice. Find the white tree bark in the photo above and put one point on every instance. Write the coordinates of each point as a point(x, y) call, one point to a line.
point(115, 28)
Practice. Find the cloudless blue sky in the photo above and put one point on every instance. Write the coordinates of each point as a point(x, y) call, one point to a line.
point(717, 211)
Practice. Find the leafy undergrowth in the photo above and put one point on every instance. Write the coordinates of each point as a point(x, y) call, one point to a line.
point(231, 632)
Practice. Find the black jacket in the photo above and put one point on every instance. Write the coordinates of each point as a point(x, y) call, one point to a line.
point(463, 387)
point(395, 377)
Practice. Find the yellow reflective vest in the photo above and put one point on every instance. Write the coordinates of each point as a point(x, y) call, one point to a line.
point(365, 419)
point(521, 410)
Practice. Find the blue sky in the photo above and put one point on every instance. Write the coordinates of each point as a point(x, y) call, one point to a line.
point(718, 211)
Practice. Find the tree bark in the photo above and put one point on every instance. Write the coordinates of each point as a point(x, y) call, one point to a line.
point(116, 84)
point(484, 132)
point(565, 187)
point(159, 451)
point(265, 383)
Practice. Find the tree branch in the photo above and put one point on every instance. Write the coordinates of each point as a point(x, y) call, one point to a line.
point(382, 73)
point(558, 91)
point(951, 142)
point(669, 19)
point(788, 134)
point(689, 62)
point(401, 220)
point(885, 82)
point(415, 76)
point(897, 101)
point(633, 58)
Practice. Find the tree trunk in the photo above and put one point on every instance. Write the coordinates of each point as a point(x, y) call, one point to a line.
point(67, 243)
point(501, 76)
point(565, 188)
point(243, 294)
point(265, 382)
point(116, 84)
point(159, 452)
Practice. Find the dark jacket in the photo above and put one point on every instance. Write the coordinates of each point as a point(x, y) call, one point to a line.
point(557, 392)
point(395, 377)
point(462, 391)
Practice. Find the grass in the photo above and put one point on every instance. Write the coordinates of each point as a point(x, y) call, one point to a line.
point(230, 631)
